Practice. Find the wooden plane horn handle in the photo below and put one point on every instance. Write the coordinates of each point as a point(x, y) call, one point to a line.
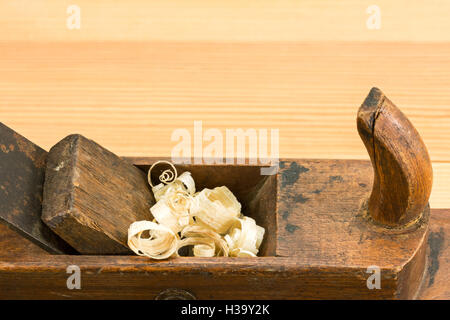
point(403, 174)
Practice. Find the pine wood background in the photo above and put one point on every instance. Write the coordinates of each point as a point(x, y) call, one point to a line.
point(137, 70)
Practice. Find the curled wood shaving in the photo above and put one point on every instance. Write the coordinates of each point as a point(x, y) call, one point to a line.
point(238, 252)
point(217, 208)
point(166, 176)
point(210, 221)
point(202, 246)
point(161, 242)
point(165, 216)
point(209, 235)
point(173, 203)
point(187, 181)
point(203, 250)
point(245, 237)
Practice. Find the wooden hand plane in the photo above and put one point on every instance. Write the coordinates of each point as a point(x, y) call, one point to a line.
point(335, 229)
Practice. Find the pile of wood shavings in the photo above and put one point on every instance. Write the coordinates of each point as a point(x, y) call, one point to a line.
point(210, 221)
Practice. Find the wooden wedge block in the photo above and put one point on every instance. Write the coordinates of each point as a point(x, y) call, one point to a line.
point(91, 196)
point(22, 171)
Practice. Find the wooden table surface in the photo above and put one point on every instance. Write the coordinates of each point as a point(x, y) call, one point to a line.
point(137, 70)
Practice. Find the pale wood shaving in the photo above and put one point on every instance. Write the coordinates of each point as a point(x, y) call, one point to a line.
point(210, 221)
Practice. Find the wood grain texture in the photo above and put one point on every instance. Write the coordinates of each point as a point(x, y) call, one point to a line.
point(123, 94)
point(22, 171)
point(403, 175)
point(14, 244)
point(137, 278)
point(91, 196)
point(130, 96)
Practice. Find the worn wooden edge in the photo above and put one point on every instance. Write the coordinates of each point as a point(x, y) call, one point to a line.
point(138, 275)
point(413, 272)
point(436, 281)
point(238, 278)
